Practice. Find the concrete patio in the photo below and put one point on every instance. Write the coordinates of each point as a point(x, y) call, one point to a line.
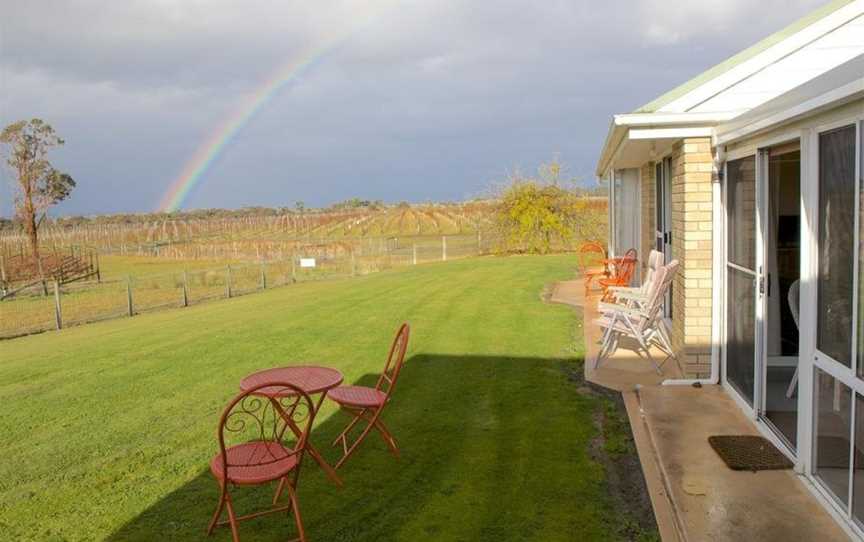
point(694, 495)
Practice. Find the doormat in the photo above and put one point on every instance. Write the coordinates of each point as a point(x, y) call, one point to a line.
point(748, 452)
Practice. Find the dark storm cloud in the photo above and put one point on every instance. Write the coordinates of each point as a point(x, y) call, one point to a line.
point(430, 99)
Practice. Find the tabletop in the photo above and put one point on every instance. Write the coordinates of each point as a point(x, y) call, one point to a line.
point(310, 378)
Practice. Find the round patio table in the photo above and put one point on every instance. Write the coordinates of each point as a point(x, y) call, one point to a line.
point(312, 379)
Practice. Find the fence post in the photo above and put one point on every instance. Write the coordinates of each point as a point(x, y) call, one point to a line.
point(353, 264)
point(129, 304)
point(293, 267)
point(414, 250)
point(263, 276)
point(228, 282)
point(444, 248)
point(58, 314)
point(185, 289)
point(3, 265)
point(479, 242)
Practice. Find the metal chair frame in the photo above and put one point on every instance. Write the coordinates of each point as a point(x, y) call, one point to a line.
point(372, 414)
point(273, 420)
point(638, 295)
point(621, 273)
point(589, 272)
point(642, 323)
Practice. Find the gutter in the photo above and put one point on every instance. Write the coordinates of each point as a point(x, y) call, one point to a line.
point(653, 125)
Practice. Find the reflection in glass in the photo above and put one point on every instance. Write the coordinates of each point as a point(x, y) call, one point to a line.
point(741, 332)
point(833, 402)
point(858, 493)
point(782, 273)
point(741, 209)
point(836, 242)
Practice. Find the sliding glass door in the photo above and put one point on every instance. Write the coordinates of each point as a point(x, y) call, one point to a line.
point(741, 276)
point(838, 391)
point(663, 219)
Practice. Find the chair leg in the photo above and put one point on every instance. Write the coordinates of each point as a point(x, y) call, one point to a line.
point(344, 434)
point(232, 518)
point(354, 446)
point(790, 391)
point(292, 495)
point(388, 437)
point(218, 513)
point(282, 482)
point(647, 347)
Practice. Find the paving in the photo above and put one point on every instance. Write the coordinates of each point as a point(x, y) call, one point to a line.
point(694, 495)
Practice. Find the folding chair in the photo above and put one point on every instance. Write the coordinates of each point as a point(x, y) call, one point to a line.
point(642, 323)
point(591, 256)
point(366, 404)
point(262, 439)
point(638, 295)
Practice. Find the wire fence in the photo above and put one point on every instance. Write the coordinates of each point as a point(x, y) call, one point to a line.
point(79, 303)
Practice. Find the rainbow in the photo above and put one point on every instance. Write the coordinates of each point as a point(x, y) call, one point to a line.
point(226, 132)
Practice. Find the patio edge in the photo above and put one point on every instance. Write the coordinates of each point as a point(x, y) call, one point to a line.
point(669, 523)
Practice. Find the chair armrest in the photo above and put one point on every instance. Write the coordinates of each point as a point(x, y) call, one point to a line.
point(631, 294)
point(620, 309)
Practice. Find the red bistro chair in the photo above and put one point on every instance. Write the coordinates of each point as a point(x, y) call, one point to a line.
point(591, 256)
point(622, 272)
point(367, 403)
point(262, 438)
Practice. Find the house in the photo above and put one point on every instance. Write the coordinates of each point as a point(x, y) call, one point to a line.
point(751, 176)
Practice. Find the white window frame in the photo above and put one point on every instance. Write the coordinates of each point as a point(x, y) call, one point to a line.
point(847, 376)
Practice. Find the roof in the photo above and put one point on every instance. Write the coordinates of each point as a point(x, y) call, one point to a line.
point(743, 56)
point(842, 84)
point(801, 52)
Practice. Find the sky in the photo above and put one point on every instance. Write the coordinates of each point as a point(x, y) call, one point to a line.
point(401, 100)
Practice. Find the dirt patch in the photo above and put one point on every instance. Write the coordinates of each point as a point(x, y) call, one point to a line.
point(615, 450)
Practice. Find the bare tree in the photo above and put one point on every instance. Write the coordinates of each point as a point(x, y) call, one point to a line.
point(38, 185)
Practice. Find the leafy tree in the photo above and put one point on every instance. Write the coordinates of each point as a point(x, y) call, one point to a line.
point(532, 215)
point(536, 213)
point(38, 185)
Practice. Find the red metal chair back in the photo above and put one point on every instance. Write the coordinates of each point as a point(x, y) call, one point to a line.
point(625, 267)
point(590, 255)
point(395, 359)
point(254, 417)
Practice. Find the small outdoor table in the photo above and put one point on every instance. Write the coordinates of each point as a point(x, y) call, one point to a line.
point(313, 380)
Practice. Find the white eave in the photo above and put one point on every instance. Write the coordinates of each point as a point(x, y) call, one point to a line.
point(634, 138)
point(834, 88)
point(805, 54)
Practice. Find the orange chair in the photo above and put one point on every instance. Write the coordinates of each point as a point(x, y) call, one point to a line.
point(621, 272)
point(262, 438)
point(367, 403)
point(591, 256)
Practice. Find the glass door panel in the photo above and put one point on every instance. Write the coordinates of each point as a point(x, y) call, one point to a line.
point(782, 267)
point(741, 276)
point(836, 243)
point(837, 406)
point(741, 332)
point(833, 409)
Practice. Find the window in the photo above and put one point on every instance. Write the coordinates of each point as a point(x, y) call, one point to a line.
point(837, 195)
point(833, 406)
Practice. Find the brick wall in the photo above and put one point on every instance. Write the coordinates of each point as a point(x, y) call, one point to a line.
point(692, 227)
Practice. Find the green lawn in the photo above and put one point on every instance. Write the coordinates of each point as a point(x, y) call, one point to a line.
point(108, 428)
